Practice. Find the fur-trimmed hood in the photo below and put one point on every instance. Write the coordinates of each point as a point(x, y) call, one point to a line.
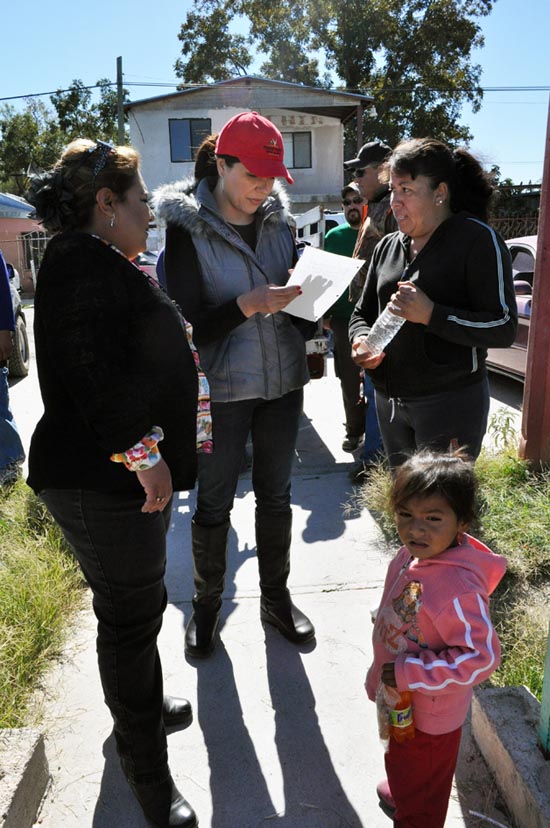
point(187, 203)
point(208, 266)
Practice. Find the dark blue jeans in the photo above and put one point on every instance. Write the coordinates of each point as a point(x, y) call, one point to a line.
point(11, 447)
point(349, 375)
point(436, 421)
point(122, 553)
point(373, 447)
point(273, 426)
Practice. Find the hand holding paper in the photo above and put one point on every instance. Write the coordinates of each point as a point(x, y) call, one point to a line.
point(267, 299)
point(323, 277)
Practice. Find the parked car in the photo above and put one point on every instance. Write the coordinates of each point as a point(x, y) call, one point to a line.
point(333, 219)
point(13, 273)
point(147, 261)
point(18, 363)
point(512, 361)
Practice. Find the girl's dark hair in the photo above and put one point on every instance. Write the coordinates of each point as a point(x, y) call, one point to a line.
point(470, 187)
point(450, 475)
point(205, 159)
point(64, 197)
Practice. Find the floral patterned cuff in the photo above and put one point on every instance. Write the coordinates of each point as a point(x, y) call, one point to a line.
point(144, 455)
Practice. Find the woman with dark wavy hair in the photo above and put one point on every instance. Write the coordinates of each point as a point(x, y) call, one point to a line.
point(449, 275)
point(121, 429)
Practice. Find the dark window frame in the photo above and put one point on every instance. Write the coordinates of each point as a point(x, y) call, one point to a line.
point(293, 166)
point(190, 148)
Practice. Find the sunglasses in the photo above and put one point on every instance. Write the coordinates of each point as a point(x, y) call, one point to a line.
point(359, 173)
point(348, 201)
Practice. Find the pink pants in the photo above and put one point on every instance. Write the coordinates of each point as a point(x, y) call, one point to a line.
point(420, 776)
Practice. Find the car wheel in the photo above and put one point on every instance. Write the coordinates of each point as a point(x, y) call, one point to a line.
point(19, 360)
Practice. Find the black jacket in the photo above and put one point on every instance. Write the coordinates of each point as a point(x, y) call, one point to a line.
point(113, 361)
point(465, 268)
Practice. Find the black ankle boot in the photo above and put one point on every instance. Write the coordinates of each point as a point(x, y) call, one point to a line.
point(164, 806)
point(176, 712)
point(200, 634)
point(289, 620)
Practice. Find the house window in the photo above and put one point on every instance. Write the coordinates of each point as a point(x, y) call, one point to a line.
point(186, 136)
point(297, 149)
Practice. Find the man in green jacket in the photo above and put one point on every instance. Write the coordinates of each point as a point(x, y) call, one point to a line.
point(342, 240)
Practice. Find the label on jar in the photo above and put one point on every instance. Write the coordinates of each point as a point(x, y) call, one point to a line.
point(401, 718)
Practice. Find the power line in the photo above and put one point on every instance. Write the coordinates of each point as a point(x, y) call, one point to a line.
point(159, 84)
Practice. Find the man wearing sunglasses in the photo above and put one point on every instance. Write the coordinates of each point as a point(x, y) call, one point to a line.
point(379, 222)
point(366, 169)
point(342, 240)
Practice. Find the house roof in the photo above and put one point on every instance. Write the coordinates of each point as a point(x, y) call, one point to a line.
point(12, 206)
point(250, 92)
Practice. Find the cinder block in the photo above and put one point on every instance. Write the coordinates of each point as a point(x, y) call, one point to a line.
point(24, 775)
point(505, 727)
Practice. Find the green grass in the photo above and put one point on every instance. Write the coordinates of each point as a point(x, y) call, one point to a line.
point(40, 587)
point(514, 522)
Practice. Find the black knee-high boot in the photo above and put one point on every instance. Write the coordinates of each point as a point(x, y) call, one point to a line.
point(164, 806)
point(209, 565)
point(273, 537)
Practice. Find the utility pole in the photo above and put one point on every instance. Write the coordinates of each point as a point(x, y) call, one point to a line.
point(121, 138)
point(535, 426)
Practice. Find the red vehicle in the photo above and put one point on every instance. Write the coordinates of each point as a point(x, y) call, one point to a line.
point(512, 361)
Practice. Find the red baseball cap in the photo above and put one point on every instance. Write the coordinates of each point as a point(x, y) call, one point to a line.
point(257, 143)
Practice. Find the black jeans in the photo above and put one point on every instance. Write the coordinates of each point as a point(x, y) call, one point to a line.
point(349, 375)
point(273, 425)
point(122, 553)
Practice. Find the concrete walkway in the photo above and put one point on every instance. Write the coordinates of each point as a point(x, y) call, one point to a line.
point(282, 735)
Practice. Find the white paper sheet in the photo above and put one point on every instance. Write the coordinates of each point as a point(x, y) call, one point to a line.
point(323, 277)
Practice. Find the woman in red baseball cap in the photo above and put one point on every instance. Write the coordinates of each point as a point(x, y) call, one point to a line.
point(228, 252)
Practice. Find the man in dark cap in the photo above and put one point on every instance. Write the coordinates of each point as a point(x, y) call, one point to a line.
point(378, 222)
point(366, 169)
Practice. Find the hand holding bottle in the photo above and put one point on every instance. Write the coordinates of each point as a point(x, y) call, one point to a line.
point(412, 303)
point(394, 713)
point(361, 354)
point(388, 674)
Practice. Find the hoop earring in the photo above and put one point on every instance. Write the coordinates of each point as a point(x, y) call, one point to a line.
point(112, 222)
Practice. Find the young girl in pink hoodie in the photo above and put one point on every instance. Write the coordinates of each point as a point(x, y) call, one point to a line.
point(433, 634)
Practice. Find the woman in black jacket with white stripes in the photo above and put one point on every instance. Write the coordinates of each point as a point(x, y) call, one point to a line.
point(449, 275)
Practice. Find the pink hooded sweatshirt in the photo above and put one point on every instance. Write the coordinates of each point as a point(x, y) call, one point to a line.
point(434, 623)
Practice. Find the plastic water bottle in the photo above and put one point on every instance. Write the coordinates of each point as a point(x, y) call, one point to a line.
point(383, 331)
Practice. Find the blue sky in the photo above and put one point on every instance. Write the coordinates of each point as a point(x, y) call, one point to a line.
point(46, 45)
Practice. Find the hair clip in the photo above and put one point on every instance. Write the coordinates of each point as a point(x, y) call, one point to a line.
point(105, 150)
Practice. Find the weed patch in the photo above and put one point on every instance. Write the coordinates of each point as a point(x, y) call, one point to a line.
point(40, 587)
